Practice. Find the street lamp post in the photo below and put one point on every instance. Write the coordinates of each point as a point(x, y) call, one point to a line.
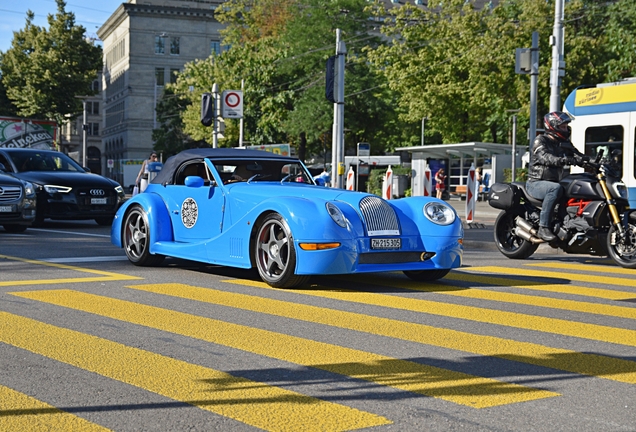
point(423, 126)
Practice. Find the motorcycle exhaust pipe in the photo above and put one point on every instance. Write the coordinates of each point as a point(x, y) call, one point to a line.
point(526, 231)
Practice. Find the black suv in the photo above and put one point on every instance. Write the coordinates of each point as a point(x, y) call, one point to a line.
point(17, 202)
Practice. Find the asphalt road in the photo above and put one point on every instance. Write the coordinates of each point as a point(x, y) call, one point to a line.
point(90, 342)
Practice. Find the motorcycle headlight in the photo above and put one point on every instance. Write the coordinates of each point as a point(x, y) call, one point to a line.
point(621, 190)
point(439, 213)
point(57, 189)
point(336, 214)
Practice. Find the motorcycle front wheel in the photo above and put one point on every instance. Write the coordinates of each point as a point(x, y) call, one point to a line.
point(623, 249)
point(509, 244)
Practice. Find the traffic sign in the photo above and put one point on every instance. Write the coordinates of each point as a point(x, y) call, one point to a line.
point(232, 104)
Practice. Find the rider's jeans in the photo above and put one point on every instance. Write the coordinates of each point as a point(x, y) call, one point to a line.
point(547, 191)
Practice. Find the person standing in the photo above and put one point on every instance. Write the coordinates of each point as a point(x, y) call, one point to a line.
point(144, 172)
point(440, 185)
point(551, 151)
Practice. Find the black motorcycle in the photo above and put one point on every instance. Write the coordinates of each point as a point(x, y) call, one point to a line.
point(592, 217)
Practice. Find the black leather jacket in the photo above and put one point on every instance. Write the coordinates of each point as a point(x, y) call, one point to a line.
point(547, 158)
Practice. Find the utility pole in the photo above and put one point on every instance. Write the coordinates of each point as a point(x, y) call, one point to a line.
point(215, 95)
point(534, 78)
point(558, 65)
point(337, 153)
point(84, 133)
point(423, 126)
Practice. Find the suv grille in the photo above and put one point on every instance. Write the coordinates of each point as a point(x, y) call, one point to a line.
point(10, 193)
point(379, 217)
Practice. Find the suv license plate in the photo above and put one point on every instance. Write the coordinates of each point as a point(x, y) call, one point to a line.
point(6, 209)
point(386, 243)
point(99, 200)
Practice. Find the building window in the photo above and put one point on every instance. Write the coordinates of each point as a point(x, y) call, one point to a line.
point(92, 108)
point(96, 86)
point(174, 73)
point(160, 45)
point(174, 46)
point(215, 47)
point(159, 76)
point(93, 129)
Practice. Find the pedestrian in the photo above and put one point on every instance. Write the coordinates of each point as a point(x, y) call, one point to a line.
point(144, 172)
point(440, 185)
point(551, 151)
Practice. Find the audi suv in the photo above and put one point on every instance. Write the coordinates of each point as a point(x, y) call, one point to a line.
point(65, 190)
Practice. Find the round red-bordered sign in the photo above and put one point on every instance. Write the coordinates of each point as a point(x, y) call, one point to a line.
point(232, 100)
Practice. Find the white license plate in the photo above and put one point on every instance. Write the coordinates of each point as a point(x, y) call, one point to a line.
point(99, 200)
point(6, 209)
point(386, 243)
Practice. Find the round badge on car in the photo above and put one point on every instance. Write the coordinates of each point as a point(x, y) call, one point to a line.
point(189, 212)
point(97, 192)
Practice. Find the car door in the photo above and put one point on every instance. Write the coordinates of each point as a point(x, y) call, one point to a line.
point(196, 212)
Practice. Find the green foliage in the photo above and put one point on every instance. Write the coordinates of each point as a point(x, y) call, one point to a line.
point(376, 177)
point(521, 174)
point(46, 68)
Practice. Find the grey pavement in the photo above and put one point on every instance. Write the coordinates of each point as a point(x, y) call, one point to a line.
point(479, 233)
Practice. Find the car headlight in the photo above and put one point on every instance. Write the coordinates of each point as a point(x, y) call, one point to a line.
point(29, 189)
point(439, 213)
point(621, 190)
point(336, 214)
point(57, 189)
point(119, 190)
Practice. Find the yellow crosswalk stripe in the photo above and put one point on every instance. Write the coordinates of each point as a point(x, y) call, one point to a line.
point(613, 269)
point(20, 412)
point(606, 280)
point(460, 388)
point(490, 280)
point(253, 403)
point(562, 359)
point(504, 297)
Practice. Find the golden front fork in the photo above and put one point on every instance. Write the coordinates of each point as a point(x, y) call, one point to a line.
point(616, 220)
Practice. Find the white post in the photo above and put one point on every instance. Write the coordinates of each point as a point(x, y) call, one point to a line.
point(558, 65)
point(241, 122)
point(84, 133)
point(215, 137)
point(470, 194)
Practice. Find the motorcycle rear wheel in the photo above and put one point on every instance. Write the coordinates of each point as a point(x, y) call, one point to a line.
point(509, 244)
point(623, 254)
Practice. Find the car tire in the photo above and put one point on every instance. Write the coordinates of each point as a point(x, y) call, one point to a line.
point(14, 228)
point(136, 239)
point(104, 221)
point(275, 254)
point(426, 275)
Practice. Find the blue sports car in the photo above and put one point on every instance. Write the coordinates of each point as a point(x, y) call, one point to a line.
point(247, 208)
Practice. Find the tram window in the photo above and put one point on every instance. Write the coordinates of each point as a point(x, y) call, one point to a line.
point(605, 138)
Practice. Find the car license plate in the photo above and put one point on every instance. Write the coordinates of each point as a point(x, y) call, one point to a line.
point(99, 200)
point(386, 243)
point(6, 209)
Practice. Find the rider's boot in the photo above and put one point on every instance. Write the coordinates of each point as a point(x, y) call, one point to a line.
point(545, 234)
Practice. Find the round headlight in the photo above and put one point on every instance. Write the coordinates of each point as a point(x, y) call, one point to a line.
point(336, 214)
point(439, 213)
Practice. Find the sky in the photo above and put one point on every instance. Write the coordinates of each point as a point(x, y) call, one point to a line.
point(89, 14)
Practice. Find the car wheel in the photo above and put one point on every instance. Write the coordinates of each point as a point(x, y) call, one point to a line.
point(14, 228)
point(104, 221)
point(275, 254)
point(426, 275)
point(136, 239)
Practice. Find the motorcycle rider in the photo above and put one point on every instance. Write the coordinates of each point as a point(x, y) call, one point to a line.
point(550, 152)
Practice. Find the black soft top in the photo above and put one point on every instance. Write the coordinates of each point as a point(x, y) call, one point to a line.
point(166, 175)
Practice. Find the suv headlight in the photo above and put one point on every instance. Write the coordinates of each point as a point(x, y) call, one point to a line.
point(439, 213)
point(29, 189)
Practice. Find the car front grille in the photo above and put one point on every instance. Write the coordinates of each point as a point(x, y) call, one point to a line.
point(379, 217)
point(10, 193)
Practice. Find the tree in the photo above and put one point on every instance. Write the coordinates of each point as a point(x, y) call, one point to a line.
point(45, 69)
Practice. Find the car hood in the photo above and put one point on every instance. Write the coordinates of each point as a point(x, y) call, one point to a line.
point(63, 178)
point(260, 191)
point(8, 179)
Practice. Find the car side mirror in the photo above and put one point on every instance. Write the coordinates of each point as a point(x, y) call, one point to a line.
point(193, 181)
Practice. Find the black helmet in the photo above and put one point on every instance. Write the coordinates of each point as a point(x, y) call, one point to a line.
point(557, 124)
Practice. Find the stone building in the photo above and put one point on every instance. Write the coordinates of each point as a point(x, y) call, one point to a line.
point(146, 42)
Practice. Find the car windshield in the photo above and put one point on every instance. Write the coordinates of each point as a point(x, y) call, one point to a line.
point(44, 161)
point(262, 170)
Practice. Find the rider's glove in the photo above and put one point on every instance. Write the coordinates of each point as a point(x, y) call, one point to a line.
point(581, 159)
point(568, 160)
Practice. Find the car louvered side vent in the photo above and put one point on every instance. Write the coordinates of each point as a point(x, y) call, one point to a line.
point(379, 217)
point(10, 193)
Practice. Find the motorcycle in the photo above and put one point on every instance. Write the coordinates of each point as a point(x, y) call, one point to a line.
point(592, 217)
